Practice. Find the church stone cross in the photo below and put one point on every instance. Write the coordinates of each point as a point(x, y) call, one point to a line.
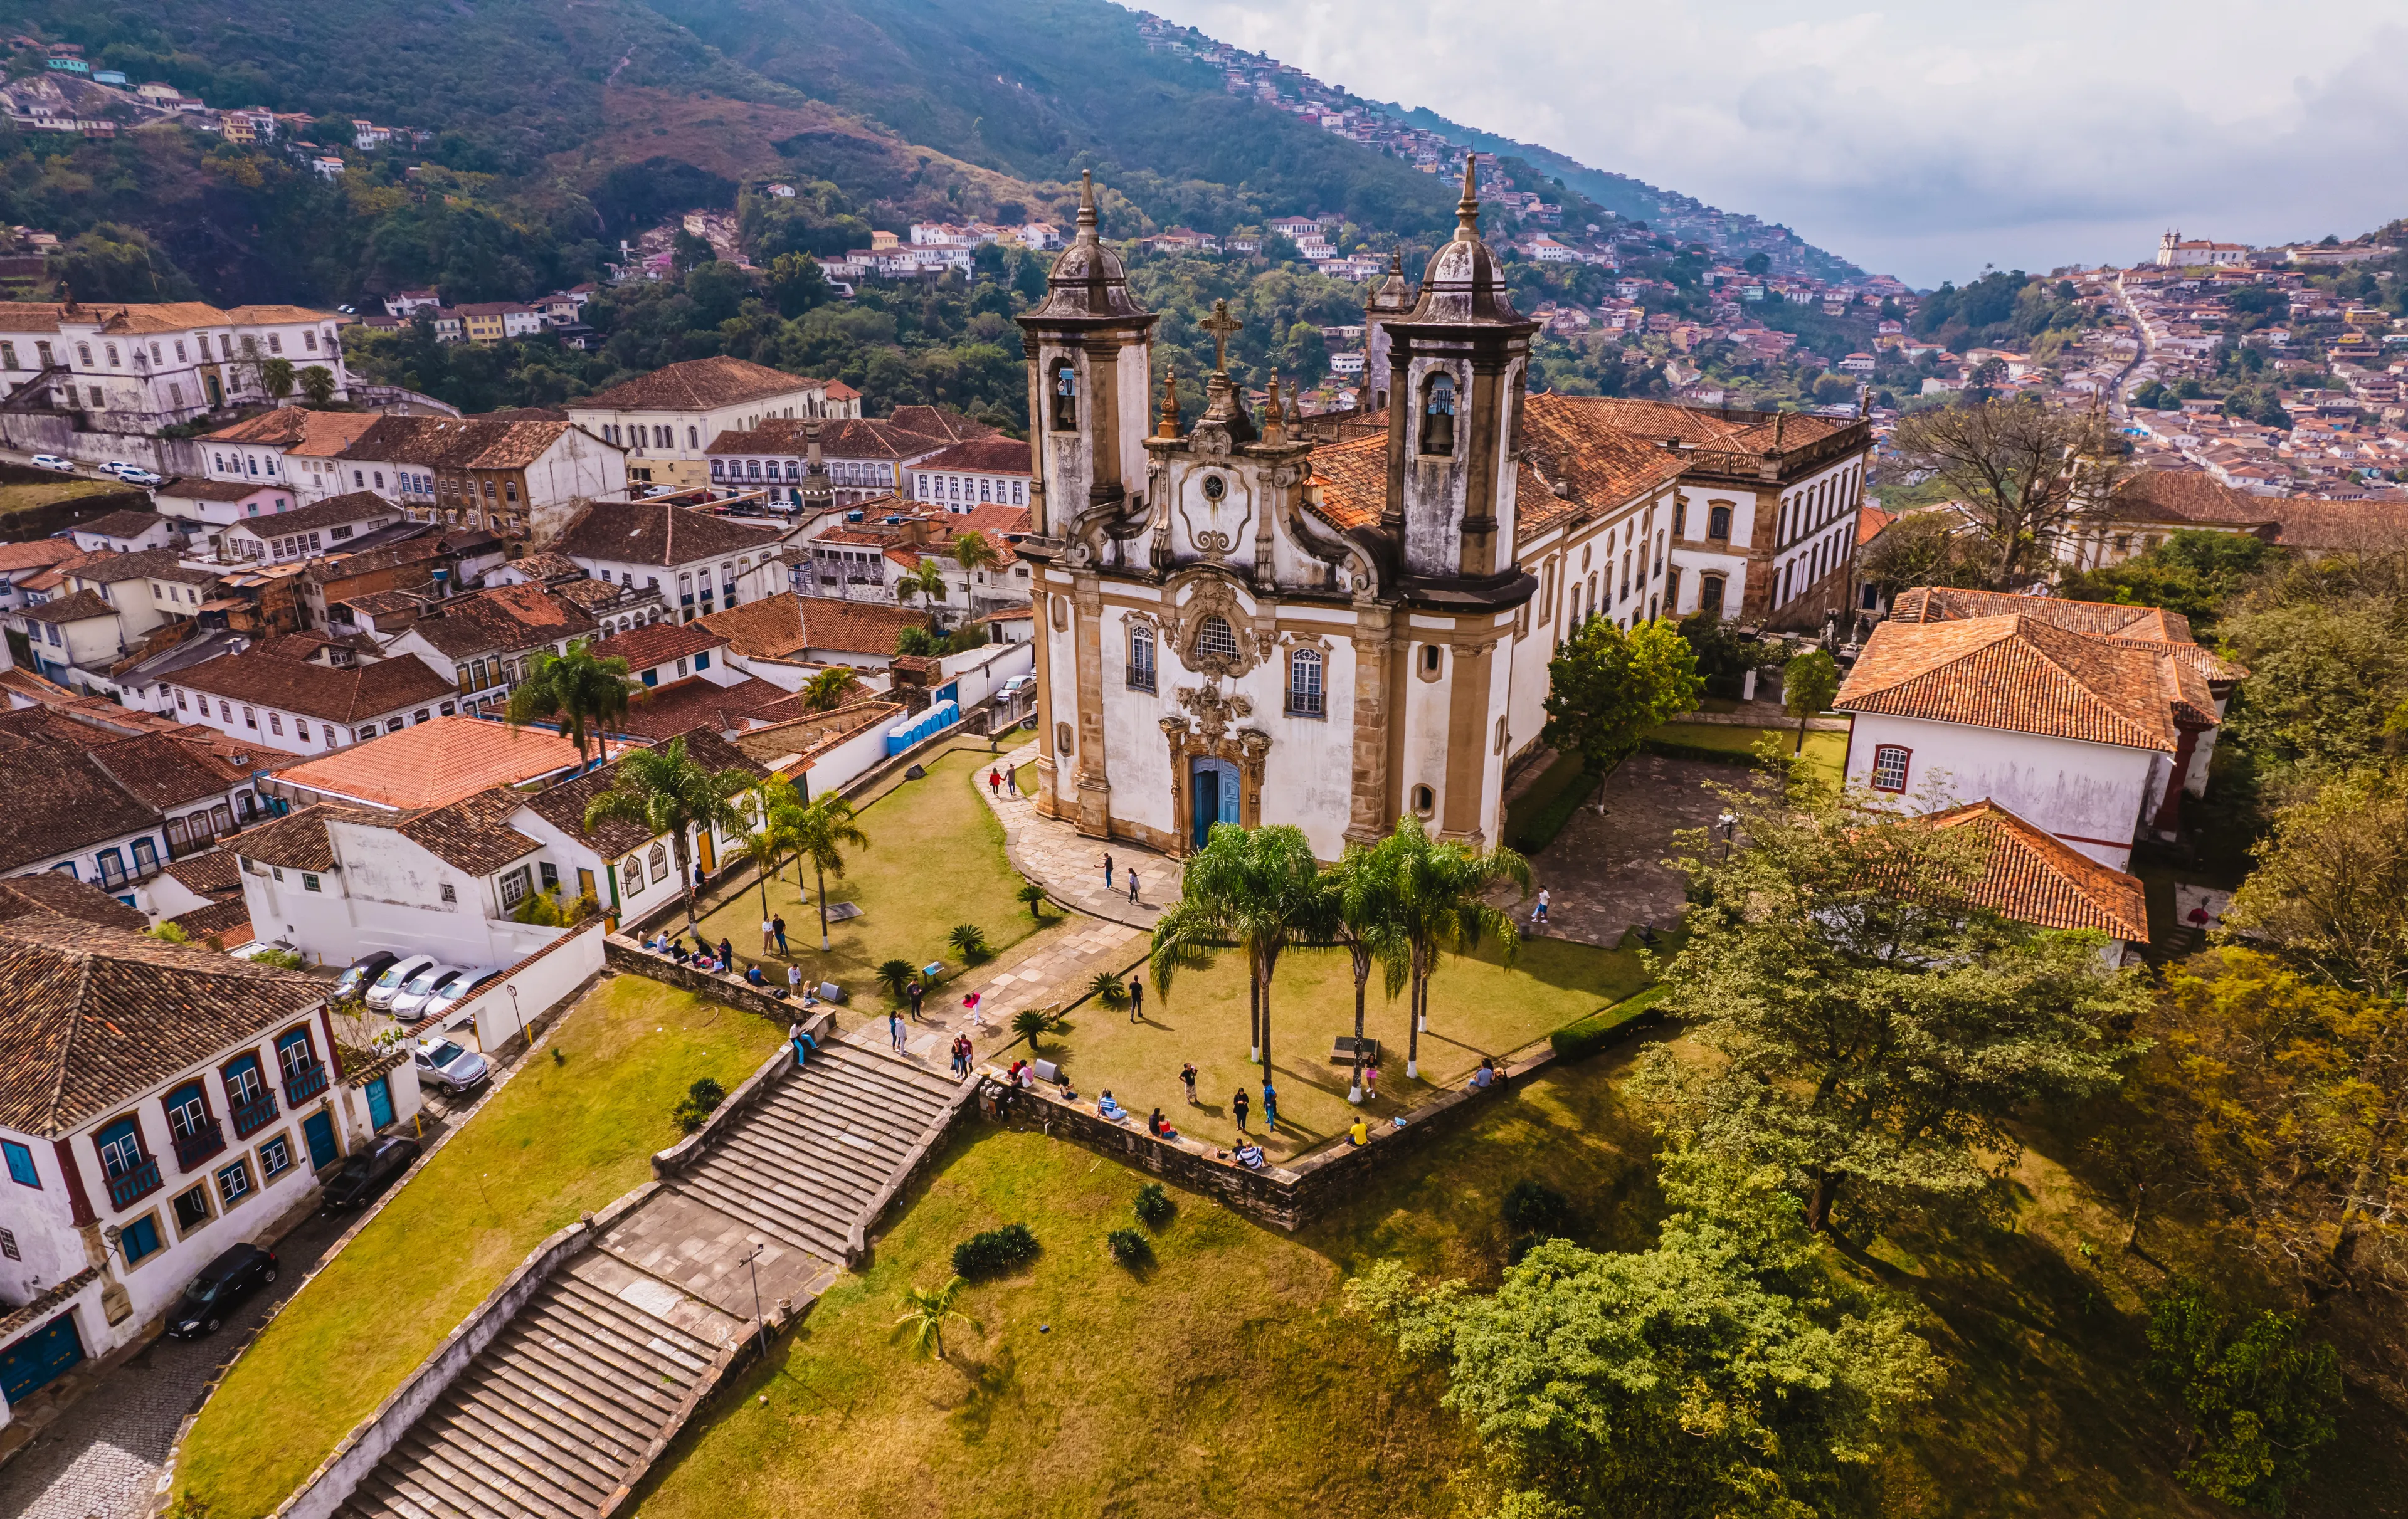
point(1221, 325)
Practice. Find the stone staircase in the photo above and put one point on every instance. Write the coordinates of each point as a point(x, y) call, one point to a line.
point(561, 1413)
point(810, 1157)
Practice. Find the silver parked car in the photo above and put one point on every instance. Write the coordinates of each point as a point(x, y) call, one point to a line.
point(447, 1064)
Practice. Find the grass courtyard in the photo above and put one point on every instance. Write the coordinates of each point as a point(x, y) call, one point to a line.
point(1479, 1005)
point(562, 1138)
point(935, 859)
point(1225, 1379)
point(1829, 750)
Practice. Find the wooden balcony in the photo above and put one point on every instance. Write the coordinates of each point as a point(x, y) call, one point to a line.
point(129, 1187)
point(251, 1117)
point(200, 1144)
point(303, 1084)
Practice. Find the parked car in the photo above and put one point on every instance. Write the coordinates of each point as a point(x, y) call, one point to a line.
point(397, 974)
point(369, 1172)
point(137, 475)
point(357, 976)
point(51, 461)
point(412, 996)
point(446, 1065)
point(211, 1298)
point(439, 1004)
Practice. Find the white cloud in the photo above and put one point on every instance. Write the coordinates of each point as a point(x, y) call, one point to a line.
point(1925, 141)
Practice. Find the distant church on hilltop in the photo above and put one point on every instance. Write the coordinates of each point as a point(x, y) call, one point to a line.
point(1237, 624)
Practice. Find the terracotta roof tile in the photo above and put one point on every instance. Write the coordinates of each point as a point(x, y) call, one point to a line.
point(54, 891)
point(656, 533)
point(982, 456)
point(938, 422)
point(319, 691)
point(61, 800)
point(298, 841)
point(212, 872)
point(2018, 674)
point(657, 643)
point(39, 554)
point(2035, 878)
point(564, 807)
point(856, 627)
point(96, 1016)
point(435, 763)
point(226, 924)
point(769, 628)
point(333, 511)
point(473, 834)
point(506, 620)
point(695, 385)
point(668, 710)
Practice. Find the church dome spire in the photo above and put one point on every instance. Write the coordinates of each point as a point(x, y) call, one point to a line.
point(1461, 286)
point(1088, 282)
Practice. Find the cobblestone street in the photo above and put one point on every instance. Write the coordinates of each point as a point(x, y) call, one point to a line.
point(1606, 873)
point(100, 1459)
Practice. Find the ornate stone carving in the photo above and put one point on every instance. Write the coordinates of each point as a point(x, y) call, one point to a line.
point(1211, 592)
point(1214, 711)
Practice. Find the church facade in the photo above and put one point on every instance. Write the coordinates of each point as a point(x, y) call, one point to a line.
point(1235, 624)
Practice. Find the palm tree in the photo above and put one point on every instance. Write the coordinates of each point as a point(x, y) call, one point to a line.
point(925, 1312)
point(823, 830)
point(1440, 906)
point(830, 689)
point(922, 578)
point(973, 552)
point(775, 833)
point(667, 792)
point(1251, 887)
point(578, 692)
point(1364, 917)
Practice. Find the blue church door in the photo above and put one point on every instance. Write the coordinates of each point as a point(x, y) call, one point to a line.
point(1216, 785)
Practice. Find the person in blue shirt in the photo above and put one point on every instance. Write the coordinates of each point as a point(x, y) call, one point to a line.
point(1270, 1109)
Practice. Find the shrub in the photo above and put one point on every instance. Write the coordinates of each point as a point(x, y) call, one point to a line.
point(1109, 989)
point(168, 933)
point(894, 975)
point(1032, 896)
point(994, 1253)
point(1154, 1205)
point(969, 942)
point(1579, 1039)
point(279, 959)
point(700, 1098)
point(1033, 1023)
point(1129, 1247)
point(1534, 1208)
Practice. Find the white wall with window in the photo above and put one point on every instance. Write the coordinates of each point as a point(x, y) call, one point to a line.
point(387, 892)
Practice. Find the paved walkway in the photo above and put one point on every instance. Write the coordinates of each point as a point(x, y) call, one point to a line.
point(1058, 972)
point(1605, 873)
point(1070, 867)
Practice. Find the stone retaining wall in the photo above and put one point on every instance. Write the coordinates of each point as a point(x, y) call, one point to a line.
point(620, 953)
point(856, 1244)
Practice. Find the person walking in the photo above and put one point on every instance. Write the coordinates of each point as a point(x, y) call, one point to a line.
point(915, 992)
point(1132, 881)
point(794, 980)
point(768, 936)
point(895, 1027)
point(778, 927)
point(1011, 782)
point(1136, 999)
point(1108, 870)
point(1240, 1105)
point(1270, 1109)
point(1371, 1079)
point(994, 781)
point(1538, 914)
point(1187, 1080)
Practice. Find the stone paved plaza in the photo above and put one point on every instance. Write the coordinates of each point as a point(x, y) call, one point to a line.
point(1070, 867)
point(1606, 872)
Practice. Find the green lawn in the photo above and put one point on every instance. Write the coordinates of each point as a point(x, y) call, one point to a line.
point(1225, 1379)
point(935, 859)
point(561, 1138)
point(1478, 1006)
point(32, 494)
point(1828, 750)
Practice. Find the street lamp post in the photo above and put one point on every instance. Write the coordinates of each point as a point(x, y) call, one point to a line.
point(1728, 823)
point(760, 1324)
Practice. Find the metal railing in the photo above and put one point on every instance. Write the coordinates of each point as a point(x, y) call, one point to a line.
point(129, 1187)
point(306, 1083)
point(251, 1117)
point(207, 1139)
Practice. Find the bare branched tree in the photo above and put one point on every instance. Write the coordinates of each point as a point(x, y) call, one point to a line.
point(2011, 461)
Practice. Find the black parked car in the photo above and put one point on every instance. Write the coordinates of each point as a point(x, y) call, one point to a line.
point(211, 1298)
point(362, 974)
point(366, 1174)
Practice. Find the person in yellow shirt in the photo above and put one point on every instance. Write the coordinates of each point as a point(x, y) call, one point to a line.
point(1360, 1133)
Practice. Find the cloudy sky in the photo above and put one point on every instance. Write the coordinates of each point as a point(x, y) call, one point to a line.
point(1925, 141)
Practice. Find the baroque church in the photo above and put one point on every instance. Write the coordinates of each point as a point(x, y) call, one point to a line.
point(1237, 622)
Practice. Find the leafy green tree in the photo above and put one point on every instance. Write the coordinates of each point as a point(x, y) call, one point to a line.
point(318, 384)
point(831, 688)
point(915, 640)
point(2260, 1403)
point(1438, 894)
point(1254, 888)
point(777, 814)
point(2327, 668)
point(581, 693)
point(922, 580)
point(1808, 683)
point(665, 791)
point(1871, 1026)
point(823, 831)
point(276, 378)
point(973, 552)
point(926, 1311)
point(112, 262)
point(797, 284)
point(1725, 1371)
point(1606, 688)
point(2194, 573)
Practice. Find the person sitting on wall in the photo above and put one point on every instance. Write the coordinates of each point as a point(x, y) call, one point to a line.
point(1250, 1155)
point(1160, 1127)
point(1110, 1108)
point(752, 976)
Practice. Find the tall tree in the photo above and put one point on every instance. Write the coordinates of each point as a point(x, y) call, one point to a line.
point(2010, 462)
point(1366, 920)
point(2329, 892)
point(318, 384)
point(922, 580)
point(582, 694)
point(1254, 888)
point(1440, 901)
point(277, 377)
point(1606, 688)
point(2260, 1401)
point(1871, 1024)
point(823, 830)
point(776, 814)
point(666, 791)
point(1725, 1373)
point(972, 552)
point(1808, 683)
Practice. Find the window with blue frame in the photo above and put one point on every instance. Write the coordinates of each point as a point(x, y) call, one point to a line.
point(112, 863)
point(186, 1112)
point(21, 1163)
point(66, 868)
point(702, 661)
point(140, 1239)
point(293, 1054)
point(243, 1084)
point(119, 1146)
point(146, 855)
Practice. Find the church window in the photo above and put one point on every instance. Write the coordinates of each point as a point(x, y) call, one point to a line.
point(1889, 768)
point(1424, 800)
point(1679, 518)
point(1437, 415)
point(1430, 657)
point(1216, 638)
point(1140, 658)
point(1065, 398)
point(1710, 594)
point(1304, 683)
point(634, 874)
point(1719, 523)
point(1625, 572)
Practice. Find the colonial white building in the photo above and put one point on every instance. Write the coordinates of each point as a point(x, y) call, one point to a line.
point(666, 420)
point(2087, 720)
point(140, 368)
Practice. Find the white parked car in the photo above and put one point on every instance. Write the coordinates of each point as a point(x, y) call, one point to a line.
point(408, 1004)
point(439, 1003)
point(445, 1063)
point(386, 987)
point(51, 461)
point(130, 474)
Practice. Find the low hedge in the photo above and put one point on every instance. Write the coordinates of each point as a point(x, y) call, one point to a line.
point(994, 1253)
point(1672, 748)
point(1607, 1025)
point(1539, 829)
